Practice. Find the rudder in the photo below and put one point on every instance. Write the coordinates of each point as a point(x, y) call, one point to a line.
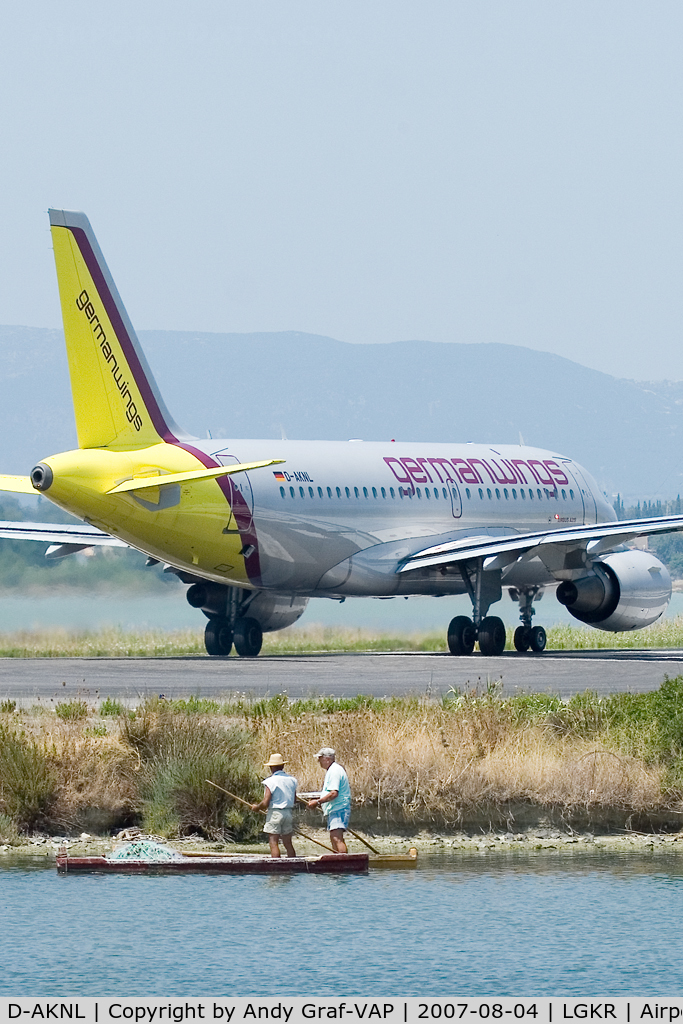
point(116, 400)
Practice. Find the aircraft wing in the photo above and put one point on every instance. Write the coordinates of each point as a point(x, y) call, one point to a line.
point(501, 551)
point(56, 533)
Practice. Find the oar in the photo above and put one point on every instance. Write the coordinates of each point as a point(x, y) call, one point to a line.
point(360, 838)
point(247, 804)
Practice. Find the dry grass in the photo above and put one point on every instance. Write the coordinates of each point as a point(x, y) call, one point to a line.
point(116, 643)
point(410, 761)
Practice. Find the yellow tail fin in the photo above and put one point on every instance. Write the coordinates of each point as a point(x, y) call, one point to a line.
point(116, 401)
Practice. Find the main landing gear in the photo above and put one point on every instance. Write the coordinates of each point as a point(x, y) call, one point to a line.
point(484, 588)
point(226, 609)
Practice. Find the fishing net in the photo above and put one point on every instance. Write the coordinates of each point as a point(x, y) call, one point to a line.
point(147, 850)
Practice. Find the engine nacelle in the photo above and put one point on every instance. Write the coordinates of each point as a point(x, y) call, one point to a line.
point(275, 611)
point(271, 611)
point(626, 590)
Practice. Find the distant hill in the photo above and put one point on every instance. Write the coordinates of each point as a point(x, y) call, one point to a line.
point(628, 433)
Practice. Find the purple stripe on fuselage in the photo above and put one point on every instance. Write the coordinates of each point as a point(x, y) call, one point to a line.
point(126, 343)
point(241, 510)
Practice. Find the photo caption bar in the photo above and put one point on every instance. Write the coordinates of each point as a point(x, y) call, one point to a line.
point(392, 1010)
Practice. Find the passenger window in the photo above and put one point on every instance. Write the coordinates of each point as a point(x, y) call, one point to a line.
point(302, 492)
point(374, 492)
point(531, 495)
point(384, 493)
point(521, 493)
point(291, 491)
point(348, 492)
point(329, 492)
point(498, 494)
point(355, 491)
point(571, 494)
point(339, 492)
point(427, 494)
point(445, 493)
point(282, 491)
point(564, 494)
point(310, 491)
point(514, 494)
point(505, 492)
point(436, 492)
point(365, 492)
point(320, 492)
point(419, 493)
point(391, 492)
point(540, 496)
point(488, 491)
point(467, 491)
point(455, 493)
point(481, 494)
point(400, 492)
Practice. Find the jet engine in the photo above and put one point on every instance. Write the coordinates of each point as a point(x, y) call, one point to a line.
point(626, 590)
point(271, 611)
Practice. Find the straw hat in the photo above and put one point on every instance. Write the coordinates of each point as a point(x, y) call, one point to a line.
point(275, 760)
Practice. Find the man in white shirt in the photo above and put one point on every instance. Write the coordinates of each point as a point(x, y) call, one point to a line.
point(334, 799)
point(278, 802)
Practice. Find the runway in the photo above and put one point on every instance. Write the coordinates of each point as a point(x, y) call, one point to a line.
point(561, 672)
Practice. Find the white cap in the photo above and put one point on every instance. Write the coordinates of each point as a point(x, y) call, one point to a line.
point(326, 752)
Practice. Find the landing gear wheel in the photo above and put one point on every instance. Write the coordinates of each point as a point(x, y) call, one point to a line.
point(491, 636)
point(522, 638)
point(218, 637)
point(461, 635)
point(248, 638)
point(538, 639)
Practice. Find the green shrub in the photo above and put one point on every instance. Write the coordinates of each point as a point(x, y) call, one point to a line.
point(27, 784)
point(72, 710)
point(8, 707)
point(110, 708)
point(178, 753)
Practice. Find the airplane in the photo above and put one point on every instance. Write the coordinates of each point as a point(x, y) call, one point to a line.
point(256, 528)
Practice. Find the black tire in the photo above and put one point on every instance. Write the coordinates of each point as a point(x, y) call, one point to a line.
point(461, 635)
point(218, 637)
point(538, 639)
point(248, 638)
point(522, 638)
point(492, 636)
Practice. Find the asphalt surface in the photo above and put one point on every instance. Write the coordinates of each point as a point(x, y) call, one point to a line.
point(561, 672)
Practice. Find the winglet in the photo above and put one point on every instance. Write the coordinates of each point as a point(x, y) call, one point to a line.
point(116, 400)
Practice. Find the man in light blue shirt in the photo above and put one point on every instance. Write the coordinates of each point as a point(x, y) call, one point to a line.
point(334, 799)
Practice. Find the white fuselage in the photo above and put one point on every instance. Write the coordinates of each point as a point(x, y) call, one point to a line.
point(337, 518)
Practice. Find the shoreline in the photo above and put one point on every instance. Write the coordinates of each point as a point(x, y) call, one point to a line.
point(427, 843)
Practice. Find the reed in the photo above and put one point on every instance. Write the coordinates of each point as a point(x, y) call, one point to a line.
point(410, 760)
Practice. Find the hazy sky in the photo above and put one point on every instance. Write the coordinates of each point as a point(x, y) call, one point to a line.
point(373, 171)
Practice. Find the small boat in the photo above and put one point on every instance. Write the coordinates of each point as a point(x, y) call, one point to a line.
point(235, 864)
point(397, 861)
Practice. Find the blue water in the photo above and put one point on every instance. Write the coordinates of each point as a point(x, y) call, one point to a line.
point(519, 925)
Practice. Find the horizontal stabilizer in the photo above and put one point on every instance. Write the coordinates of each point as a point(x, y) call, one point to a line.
point(19, 484)
point(142, 483)
point(55, 533)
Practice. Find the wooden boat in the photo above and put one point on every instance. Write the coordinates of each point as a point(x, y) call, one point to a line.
point(236, 864)
point(397, 861)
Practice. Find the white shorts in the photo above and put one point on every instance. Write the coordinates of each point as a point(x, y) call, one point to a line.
point(279, 821)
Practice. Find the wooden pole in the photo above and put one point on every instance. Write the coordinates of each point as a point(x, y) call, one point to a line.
point(247, 804)
point(360, 838)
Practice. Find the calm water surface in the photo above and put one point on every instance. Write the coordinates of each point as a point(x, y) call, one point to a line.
point(529, 925)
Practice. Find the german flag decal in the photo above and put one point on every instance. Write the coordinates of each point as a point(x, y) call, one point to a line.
point(279, 476)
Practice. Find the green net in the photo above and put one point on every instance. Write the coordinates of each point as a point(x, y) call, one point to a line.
point(147, 850)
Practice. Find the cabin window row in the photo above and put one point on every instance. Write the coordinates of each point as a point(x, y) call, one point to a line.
point(403, 492)
point(522, 493)
point(429, 493)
